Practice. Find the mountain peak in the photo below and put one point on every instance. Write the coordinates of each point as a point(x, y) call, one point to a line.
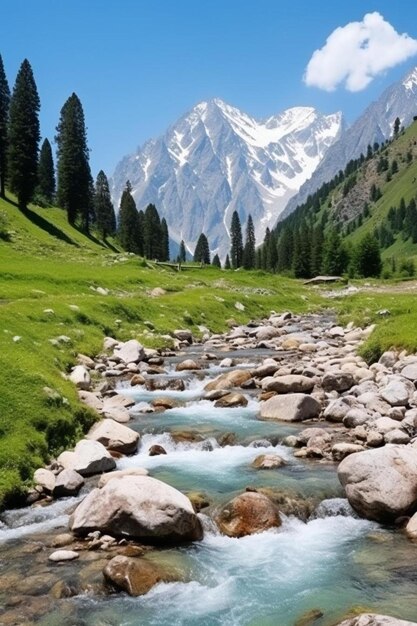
point(217, 159)
point(410, 81)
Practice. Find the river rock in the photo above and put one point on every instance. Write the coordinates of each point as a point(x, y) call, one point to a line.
point(231, 400)
point(384, 425)
point(411, 528)
point(267, 368)
point(291, 407)
point(397, 392)
point(80, 376)
point(117, 413)
point(343, 449)
point(130, 471)
point(397, 436)
point(156, 450)
point(228, 380)
point(88, 457)
point(45, 479)
point(381, 484)
point(372, 619)
point(183, 335)
point(135, 576)
point(410, 372)
point(268, 461)
point(374, 439)
point(293, 383)
point(337, 380)
point(356, 417)
point(264, 333)
point(306, 435)
point(63, 555)
point(91, 399)
point(139, 507)
point(114, 436)
point(68, 483)
point(338, 409)
point(187, 365)
point(129, 352)
point(247, 514)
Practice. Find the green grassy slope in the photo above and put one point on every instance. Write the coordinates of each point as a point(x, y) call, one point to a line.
point(49, 275)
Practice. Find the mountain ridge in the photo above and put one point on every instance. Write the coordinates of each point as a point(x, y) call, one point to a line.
point(375, 125)
point(216, 159)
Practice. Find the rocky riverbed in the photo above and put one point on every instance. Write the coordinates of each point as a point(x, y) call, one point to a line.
point(264, 476)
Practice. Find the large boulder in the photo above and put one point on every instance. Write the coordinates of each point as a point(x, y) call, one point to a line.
point(68, 483)
point(114, 436)
point(231, 400)
point(381, 484)
point(291, 407)
point(129, 352)
point(247, 514)
point(337, 380)
point(139, 507)
point(372, 619)
point(292, 383)
point(229, 380)
point(135, 576)
point(397, 392)
point(87, 458)
point(44, 478)
point(80, 376)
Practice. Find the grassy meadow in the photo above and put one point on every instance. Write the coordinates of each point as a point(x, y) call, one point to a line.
point(50, 310)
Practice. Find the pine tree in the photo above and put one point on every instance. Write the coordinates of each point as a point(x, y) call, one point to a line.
point(202, 250)
point(103, 207)
point(227, 265)
point(216, 261)
point(45, 190)
point(152, 238)
point(23, 136)
point(334, 254)
point(4, 119)
point(317, 251)
point(397, 124)
point(285, 249)
point(249, 258)
point(182, 256)
point(164, 240)
point(129, 225)
point(74, 176)
point(367, 258)
point(236, 250)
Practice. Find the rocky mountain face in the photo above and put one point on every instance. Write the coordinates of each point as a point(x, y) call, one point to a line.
point(375, 125)
point(217, 159)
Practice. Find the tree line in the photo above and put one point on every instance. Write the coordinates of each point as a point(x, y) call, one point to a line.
point(29, 171)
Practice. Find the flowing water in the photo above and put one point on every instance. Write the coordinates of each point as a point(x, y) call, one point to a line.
point(330, 563)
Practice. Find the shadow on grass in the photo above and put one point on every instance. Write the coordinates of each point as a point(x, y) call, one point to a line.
point(42, 223)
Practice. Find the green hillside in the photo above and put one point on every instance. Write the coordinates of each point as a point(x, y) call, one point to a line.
point(50, 310)
point(373, 198)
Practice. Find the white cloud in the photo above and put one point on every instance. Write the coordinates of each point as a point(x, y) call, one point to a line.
point(356, 53)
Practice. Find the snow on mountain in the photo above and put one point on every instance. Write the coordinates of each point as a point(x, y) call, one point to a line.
point(374, 125)
point(216, 159)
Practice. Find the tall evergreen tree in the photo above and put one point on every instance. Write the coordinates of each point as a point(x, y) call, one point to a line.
point(368, 257)
point(103, 207)
point(285, 249)
point(236, 249)
point(152, 239)
point(227, 265)
point(129, 223)
point(23, 136)
point(334, 254)
point(164, 240)
point(182, 256)
point(249, 255)
point(4, 120)
point(202, 250)
point(46, 175)
point(216, 261)
point(74, 175)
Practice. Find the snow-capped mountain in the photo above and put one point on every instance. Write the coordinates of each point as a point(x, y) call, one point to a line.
point(374, 125)
point(216, 159)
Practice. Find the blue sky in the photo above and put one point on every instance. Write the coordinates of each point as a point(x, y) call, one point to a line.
point(137, 66)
